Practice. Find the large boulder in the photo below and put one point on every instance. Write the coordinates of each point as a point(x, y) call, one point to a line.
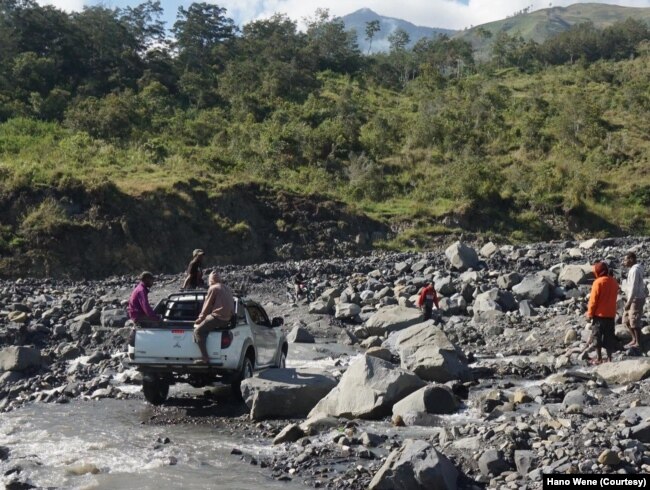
point(285, 393)
point(426, 350)
point(93, 317)
point(321, 307)
point(392, 319)
point(624, 372)
point(487, 301)
point(509, 280)
point(368, 389)
point(300, 335)
point(346, 311)
point(576, 274)
point(19, 358)
point(416, 465)
point(114, 318)
point(435, 399)
point(461, 256)
point(535, 288)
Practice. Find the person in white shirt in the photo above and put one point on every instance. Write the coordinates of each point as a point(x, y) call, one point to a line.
point(636, 293)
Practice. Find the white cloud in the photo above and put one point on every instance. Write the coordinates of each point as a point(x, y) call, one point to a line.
point(67, 5)
point(432, 13)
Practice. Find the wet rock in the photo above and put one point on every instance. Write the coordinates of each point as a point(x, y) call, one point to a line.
point(19, 358)
point(493, 463)
point(299, 335)
point(368, 389)
point(82, 469)
point(624, 372)
point(428, 352)
point(432, 399)
point(291, 433)
point(461, 256)
point(416, 465)
point(392, 319)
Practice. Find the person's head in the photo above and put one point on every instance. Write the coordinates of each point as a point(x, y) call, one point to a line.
point(147, 278)
point(601, 269)
point(197, 254)
point(214, 277)
point(630, 259)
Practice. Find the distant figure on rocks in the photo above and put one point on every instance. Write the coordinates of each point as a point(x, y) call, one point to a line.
point(217, 312)
point(428, 297)
point(602, 311)
point(636, 295)
point(139, 309)
point(194, 277)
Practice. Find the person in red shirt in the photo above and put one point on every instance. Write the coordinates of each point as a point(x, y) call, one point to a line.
point(427, 299)
point(602, 310)
point(139, 309)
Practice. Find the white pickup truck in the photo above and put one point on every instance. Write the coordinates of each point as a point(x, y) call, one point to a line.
point(165, 354)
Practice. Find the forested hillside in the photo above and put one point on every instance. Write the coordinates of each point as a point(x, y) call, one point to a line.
point(104, 116)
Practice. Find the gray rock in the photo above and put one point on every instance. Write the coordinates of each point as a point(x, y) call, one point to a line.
point(488, 250)
point(19, 358)
point(291, 433)
point(372, 341)
point(392, 319)
point(416, 466)
point(487, 301)
point(445, 285)
point(535, 288)
point(425, 350)
point(380, 352)
point(285, 393)
point(346, 311)
point(508, 281)
point(93, 317)
point(526, 309)
point(492, 462)
point(434, 399)
point(524, 460)
point(575, 274)
point(80, 328)
point(114, 318)
point(321, 307)
point(368, 389)
point(461, 256)
point(347, 338)
point(299, 335)
point(624, 372)
point(577, 397)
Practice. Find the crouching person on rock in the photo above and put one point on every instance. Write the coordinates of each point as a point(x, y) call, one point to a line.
point(602, 311)
point(217, 312)
point(428, 297)
point(139, 309)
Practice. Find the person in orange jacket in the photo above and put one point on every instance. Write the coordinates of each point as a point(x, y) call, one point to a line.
point(427, 299)
point(602, 310)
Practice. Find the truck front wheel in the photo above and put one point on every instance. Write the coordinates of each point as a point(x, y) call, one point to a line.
point(155, 390)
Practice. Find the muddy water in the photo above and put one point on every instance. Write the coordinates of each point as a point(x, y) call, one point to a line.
point(51, 443)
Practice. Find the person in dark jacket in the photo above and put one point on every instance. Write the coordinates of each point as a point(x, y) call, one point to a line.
point(194, 277)
point(428, 297)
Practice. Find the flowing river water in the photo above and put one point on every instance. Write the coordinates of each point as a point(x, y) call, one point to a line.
point(53, 443)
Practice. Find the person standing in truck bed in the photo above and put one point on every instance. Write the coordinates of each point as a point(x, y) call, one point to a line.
point(194, 277)
point(217, 312)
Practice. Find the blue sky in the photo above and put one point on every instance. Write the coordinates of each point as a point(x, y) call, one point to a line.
point(452, 14)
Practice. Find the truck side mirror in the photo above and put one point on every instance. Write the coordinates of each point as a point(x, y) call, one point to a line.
point(277, 321)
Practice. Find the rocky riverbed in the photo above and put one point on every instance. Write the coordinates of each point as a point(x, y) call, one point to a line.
point(486, 395)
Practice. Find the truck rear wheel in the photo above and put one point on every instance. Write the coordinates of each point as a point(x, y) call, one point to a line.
point(246, 371)
point(155, 390)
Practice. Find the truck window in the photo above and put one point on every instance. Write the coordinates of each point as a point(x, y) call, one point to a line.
point(241, 312)
point(183, 311)
point(258, 316)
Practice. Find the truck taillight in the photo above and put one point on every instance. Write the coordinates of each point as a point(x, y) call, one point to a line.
point(132, 338)
point(226, 339)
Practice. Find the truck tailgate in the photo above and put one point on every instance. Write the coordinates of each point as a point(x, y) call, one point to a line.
point(173, 346)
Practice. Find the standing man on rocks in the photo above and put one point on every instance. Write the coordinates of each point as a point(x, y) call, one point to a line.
point(217, 312)
point(602, 311)
point(428, 297)
point(139, 309)
point(636, 294)
point(194, 277)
